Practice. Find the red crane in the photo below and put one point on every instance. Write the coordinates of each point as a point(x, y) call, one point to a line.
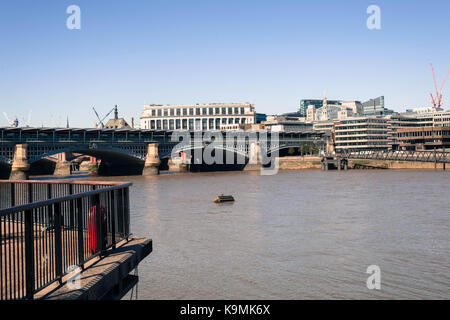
point(437, 100)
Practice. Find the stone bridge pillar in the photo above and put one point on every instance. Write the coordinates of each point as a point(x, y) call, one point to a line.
point(178, 165)
point(20, 166)
point(254, 157)
point(152, 161)
point(62, 167)
point(330, 144)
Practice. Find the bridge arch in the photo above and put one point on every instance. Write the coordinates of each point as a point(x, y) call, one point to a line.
point(101, 153)
point(114, 161)
point(240, 158)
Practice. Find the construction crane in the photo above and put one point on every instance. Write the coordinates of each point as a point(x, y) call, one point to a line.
point(437, 99)
point(28, 122)
point(100, 123)
point(14, 123)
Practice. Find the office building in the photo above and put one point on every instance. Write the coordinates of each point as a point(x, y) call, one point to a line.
point(361, 133)
point(214, 116)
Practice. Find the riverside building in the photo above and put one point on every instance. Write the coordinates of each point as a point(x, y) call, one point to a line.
point(214, 116)
point(361, 133)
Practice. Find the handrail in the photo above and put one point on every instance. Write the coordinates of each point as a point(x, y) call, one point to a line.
point(44, 203)
point(42, 241)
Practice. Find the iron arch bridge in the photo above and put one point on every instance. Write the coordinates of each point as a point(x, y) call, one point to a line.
point(133, 143)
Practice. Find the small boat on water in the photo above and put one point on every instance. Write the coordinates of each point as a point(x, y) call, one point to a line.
point(222, 198)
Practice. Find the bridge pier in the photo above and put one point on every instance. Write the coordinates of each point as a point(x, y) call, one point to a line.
point(152, 161)
point(254, 157)
point(20, 166)
point(177, 165)
point(63, 167)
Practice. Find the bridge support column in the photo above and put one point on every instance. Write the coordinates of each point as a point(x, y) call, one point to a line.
point(20, 166)
point(62, 167)
point(152, 161)
point(254, 157)
point(176, 165)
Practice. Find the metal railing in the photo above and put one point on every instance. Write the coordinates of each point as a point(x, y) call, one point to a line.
point(436, 156)
point(49, 228)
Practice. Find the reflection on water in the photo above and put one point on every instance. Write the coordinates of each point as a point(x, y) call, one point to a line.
point(294, 235)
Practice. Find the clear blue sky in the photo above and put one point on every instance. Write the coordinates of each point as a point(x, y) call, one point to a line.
point(271, 53)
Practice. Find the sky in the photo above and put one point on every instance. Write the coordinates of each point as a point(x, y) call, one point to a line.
point(270, 53)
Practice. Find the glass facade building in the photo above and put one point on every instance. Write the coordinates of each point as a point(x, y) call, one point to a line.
point(316, 103)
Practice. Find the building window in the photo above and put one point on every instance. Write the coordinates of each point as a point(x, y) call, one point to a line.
point(177, 124)
point(159, 112)
point(224, 111)
point(153, 112)
point(172, 111)
point(197, 111)
point(217, 111)
point(152, 124)
point(211, 111)
point(164, 124)
point(204, 124)
point(242, 110)
point(191, 124)
point(211, 123)
point(204, 111)
point(171, 123)
point(191, 111)
point(166, 113)
point(184, 124)
point(178, 112)
point(184, 112)
point(158, 124)
point(236, 110)
point(230, 110)
point(217, 124)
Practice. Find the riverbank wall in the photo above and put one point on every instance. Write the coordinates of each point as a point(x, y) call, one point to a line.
point(314, 162)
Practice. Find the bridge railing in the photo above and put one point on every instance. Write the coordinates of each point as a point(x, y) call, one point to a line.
point(437, 156)
point(48, 229)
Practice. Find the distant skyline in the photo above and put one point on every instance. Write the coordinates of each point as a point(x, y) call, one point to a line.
point(270, 53)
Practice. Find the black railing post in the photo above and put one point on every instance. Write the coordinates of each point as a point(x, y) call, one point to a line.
point(29, 254)
point(98, 223)
point(120, 213)
point(13, 194)
point(79, 206)
point(30, 192)
point(113, 217)
point(58, 240)
point(127, 211)
point(71, 210)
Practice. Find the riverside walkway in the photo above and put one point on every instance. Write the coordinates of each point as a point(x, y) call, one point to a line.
point(67, 240)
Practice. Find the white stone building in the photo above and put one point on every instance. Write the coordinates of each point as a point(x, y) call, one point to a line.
point(214, 116)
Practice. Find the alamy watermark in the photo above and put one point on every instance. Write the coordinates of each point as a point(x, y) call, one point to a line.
point(374, 20)
point(73, 22)
point(374, 280)
point(246, 148)
point(74, 280)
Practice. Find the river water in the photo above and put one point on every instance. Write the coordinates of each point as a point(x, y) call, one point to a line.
point(294, 235)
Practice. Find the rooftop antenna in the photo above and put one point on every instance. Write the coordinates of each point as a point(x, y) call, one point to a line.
point(437, 100)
